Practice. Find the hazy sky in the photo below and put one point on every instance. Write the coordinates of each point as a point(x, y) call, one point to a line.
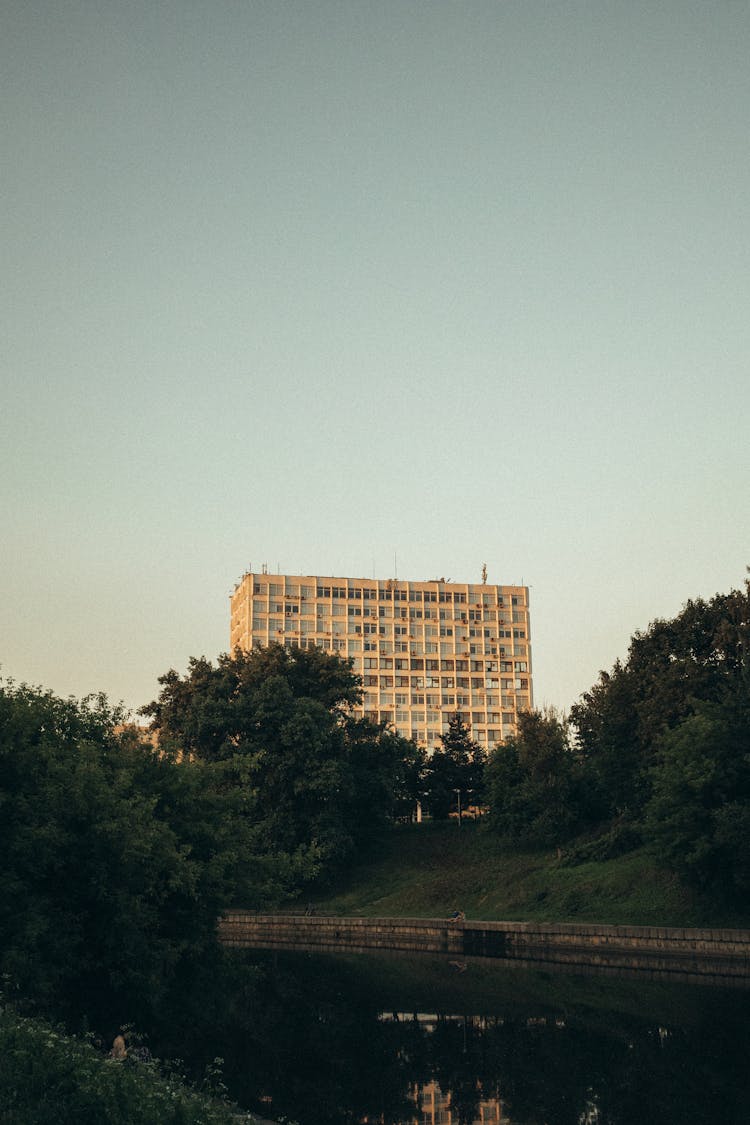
point(327, 284)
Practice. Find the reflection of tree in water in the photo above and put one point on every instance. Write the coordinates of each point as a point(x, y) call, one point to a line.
point(307, 1033)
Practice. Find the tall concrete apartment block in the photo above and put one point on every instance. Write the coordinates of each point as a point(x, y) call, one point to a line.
point(424, 649)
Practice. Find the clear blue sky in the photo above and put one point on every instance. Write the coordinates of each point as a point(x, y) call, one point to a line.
point(316, 284)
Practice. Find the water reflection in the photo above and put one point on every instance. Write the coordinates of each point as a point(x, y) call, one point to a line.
point(342, 1042)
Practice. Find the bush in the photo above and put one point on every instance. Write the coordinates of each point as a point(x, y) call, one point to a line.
point(48, 1078)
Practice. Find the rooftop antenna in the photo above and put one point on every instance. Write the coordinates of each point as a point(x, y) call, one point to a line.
point(395, 566)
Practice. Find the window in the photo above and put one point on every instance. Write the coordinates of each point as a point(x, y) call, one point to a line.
point(521, 666)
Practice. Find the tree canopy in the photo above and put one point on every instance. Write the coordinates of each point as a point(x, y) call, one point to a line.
point(453, 775)
point(534, 782)
point(316, 780)
point(116, 861)
point(665, 740)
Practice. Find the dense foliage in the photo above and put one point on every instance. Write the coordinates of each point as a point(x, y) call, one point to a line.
point(318, 783)
point(49, 1078)
point(115, 860)
point(659, 753)
point(453, 776)
point(700, 658)
point(535, 785)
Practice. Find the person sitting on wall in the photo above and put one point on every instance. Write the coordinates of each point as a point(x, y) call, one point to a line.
point(456, 916)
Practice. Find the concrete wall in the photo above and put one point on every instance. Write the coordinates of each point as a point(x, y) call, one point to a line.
point(710, 956)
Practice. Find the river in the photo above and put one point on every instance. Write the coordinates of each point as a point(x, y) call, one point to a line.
point(326, 1040)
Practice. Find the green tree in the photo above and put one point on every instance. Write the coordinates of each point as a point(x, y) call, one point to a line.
point(116, 860)
point(701, 657)
point(318, 784)
point(534, 784)
point(454, 773)
point(698, 816)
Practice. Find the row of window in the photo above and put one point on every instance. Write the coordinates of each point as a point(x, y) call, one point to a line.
point(383, 593)
point(369, 680)
point(324, 613)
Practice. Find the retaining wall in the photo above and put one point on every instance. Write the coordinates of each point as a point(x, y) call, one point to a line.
point(702, 955)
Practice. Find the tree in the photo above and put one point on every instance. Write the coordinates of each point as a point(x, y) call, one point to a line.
point(317, 783)
point(673, 669)
point(454, 772)
point(698, 816)
point(533, 780)
point(116, 861)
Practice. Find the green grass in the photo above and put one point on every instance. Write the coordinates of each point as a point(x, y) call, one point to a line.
point(428, 870)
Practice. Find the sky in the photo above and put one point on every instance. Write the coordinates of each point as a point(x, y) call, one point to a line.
point(356, 289)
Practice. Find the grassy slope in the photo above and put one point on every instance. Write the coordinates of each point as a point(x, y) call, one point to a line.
point(430, 869)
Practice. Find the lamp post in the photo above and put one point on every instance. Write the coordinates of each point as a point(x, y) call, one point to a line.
point(458, 795)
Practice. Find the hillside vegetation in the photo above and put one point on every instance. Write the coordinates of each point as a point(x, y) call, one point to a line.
point(428, 870)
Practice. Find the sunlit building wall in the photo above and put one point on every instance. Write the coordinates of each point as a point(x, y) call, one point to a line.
point(425, 650)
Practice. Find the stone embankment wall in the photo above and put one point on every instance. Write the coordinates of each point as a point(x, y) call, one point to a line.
point(709, 956)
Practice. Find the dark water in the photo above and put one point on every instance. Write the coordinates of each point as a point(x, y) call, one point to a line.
point(327, 1041)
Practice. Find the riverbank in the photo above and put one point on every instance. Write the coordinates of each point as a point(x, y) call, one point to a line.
point(711, 956)
point(427, 870)
point(48, 1077)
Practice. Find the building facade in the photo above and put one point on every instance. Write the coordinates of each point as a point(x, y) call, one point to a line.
point(424, 650)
